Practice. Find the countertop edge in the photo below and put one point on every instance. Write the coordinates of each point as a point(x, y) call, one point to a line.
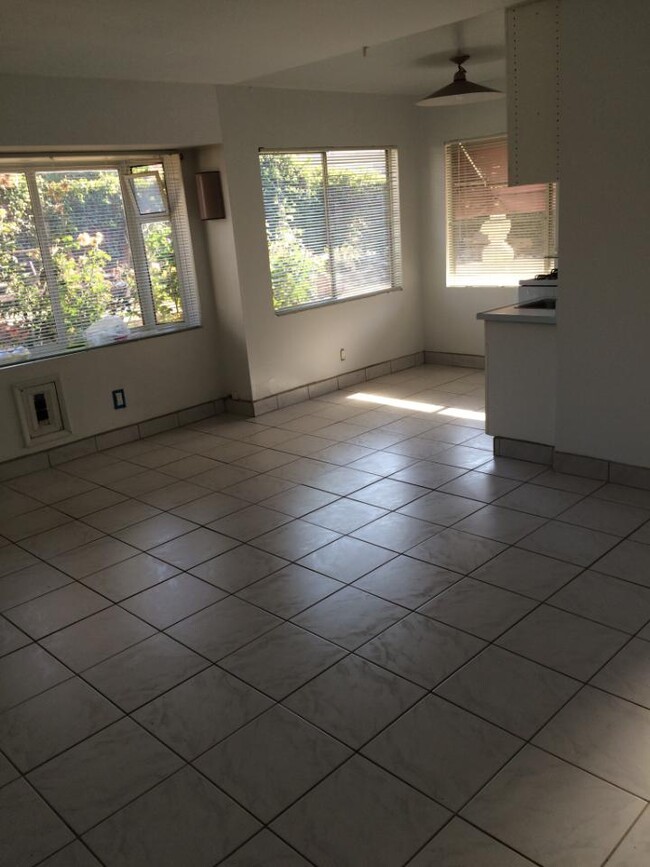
point(512, 313)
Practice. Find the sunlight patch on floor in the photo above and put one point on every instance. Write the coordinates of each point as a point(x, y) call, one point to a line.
point(418, 406)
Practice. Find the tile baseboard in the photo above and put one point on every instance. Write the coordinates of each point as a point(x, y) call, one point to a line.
point(574, 465)
point(324, 386)
point(109, 439)
point(454, 359)
point(246, 408)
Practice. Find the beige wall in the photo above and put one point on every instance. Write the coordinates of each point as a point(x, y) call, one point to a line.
point(287, 351)
point(160, 374)
point(450, 311)
point(604, 319)
point(75, 113)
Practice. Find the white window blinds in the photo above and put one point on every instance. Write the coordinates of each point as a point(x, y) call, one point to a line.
point(496, 235)
point(86, 238)
point(332, 223)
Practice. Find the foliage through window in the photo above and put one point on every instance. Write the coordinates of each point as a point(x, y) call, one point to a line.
point(82, 239)
point(332, 224)
point(496, 234)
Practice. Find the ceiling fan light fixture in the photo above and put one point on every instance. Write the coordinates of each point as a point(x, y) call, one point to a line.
point(460, 91)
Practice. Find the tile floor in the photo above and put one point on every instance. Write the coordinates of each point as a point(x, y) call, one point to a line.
point(341, 634)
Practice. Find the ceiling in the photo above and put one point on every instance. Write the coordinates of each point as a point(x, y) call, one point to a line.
point(312, 44)
point(416, 64)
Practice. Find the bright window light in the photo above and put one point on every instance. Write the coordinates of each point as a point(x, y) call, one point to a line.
point(456, 412)
point(418, 406)
point(415, 405)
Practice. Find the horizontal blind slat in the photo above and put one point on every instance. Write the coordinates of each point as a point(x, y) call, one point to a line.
point(105, 254)
point(496, 235)
point(332, 223)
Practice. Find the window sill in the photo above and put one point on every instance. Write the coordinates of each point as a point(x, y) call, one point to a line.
point(142, 334)
point(482, 285)
point(285, 311)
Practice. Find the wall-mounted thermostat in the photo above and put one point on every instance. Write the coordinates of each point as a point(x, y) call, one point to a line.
point(41, 411)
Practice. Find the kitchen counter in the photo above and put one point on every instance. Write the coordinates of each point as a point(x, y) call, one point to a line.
point(521, 368)
point(513, 313)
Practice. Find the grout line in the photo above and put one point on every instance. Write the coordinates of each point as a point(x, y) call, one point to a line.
point(408, 613)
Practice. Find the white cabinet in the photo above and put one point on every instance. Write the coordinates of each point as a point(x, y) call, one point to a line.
point(533, 93)
point(521, 362)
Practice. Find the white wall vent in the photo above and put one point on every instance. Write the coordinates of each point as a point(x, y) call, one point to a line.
point(41, 411)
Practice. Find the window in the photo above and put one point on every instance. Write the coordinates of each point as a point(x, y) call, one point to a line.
point(496, 235)
point(85, 238)
point(332, 224)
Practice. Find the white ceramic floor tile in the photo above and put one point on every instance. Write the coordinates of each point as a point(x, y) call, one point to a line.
point(461, 845)
point(416, 547)
point(443, 751)
point(478, 608)
point(552, 812)
point(193, 548)
point(605, 735)
point(56, 609)
point(29, 828)
point(358, 799)
point(92, 780)
point(238, 568)
point(272, 761)
point(628, 560)
point(421, 650)
point(512, 692)
point(265, 850)
point(354, 699)
point(11, 638)
point(203, 710)
point(184, 820)
point(547, 502)
point(345, 515)
point(129, 577)
point(579, 647)
point(350, 617)
point(29, 583)
point(569, 543)
point(397, 532)
point(95, 638)
point(615, 603)
point(282, 660)
point(634, 850)
point(607, 517)
point(528, 573)
point(289, 591)
point(27, 672)
point(503, 525)
point(49, 723)
point(407, 581)
point(139, 674)
point(224, 627)
point(460, 552)
point(295, 540)
point(347, 559)
point(626, 674)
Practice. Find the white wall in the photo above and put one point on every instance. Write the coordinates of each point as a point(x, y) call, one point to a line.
point(73, 113)
point(604, 320)
point(450, 312)
point(159, 374)
point(227, 292)
point(288, 351)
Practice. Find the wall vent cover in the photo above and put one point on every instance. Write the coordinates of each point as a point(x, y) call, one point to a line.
point(41, 411)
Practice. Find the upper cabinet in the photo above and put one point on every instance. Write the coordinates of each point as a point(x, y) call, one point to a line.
point(533, 57)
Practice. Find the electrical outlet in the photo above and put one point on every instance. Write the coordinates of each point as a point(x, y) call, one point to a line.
point(119, 399)
point(342, 354)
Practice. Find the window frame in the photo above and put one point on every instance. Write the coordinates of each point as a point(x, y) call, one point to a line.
point(176, 214)
point(391, 157)
point(551, 227)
